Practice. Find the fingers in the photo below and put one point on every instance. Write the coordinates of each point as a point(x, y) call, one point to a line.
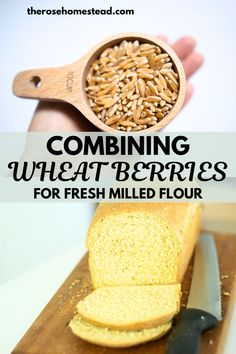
point(189, 93)
point(192, 63)
point(184, 47)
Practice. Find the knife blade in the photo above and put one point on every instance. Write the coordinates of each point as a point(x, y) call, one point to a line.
point(203, 309)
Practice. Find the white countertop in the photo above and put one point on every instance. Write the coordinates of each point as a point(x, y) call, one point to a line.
point(24, 297)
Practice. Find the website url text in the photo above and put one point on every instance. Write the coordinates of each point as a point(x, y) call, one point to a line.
point(63, 11)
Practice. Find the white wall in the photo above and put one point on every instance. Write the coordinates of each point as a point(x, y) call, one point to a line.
point(32, 233)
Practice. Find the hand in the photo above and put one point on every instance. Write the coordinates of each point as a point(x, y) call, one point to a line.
point(60, 116)
point(191, 60)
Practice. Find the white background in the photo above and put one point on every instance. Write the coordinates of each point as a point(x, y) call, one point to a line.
point(32, 234)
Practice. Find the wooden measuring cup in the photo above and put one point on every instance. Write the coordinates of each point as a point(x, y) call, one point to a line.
point(68, 83)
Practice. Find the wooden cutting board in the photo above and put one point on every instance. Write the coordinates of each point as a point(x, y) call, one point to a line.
point(50, 333)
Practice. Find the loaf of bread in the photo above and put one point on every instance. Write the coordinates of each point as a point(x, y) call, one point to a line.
point(131, 307)
point(114, 338)
point(142, 243)
point(138, 254)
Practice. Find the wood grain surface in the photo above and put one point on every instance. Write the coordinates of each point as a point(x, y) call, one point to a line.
point(50, 333)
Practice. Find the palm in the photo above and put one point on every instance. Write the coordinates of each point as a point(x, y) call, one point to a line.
point(50, 116)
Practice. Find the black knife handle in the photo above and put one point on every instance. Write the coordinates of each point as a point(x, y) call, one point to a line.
point(186, 335)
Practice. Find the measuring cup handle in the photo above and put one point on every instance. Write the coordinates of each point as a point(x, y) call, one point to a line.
point(46, 84)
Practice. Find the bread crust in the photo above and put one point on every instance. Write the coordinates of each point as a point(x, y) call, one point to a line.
point(115, 339)
point(175, 214)
point(132, 326)
point(129, 323)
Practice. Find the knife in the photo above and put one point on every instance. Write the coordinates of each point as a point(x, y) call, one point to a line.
point(203, 309)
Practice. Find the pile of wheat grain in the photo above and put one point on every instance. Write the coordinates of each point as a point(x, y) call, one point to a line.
point(132, 86)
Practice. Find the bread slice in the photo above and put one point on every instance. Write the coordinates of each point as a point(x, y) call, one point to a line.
point(142, 243)
point(114, 338)
point(131, 307)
